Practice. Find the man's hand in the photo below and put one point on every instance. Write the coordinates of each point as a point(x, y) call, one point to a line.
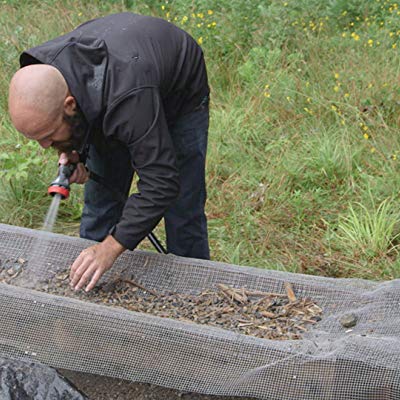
point(93, 262)
point(81, 174)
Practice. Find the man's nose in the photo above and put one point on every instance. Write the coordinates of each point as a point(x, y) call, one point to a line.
point(45, 143)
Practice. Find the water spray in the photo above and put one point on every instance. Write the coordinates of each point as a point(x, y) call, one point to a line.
point(59, 189)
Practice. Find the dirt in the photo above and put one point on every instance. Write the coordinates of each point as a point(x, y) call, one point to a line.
point(277, 316)
point(102, 388)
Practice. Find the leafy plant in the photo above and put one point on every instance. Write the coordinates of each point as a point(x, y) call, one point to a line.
point(17, 164)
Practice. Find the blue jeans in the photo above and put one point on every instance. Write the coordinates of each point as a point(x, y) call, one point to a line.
point(185, 220)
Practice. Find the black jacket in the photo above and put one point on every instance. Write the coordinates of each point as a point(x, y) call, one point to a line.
point(132, 76)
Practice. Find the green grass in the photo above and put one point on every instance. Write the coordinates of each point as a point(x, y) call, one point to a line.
point(303, 165)
point(371, 232)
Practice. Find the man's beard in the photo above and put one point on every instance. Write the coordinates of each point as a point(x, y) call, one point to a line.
point(78, 127)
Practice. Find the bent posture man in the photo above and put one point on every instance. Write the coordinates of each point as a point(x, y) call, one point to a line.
point(123, 94)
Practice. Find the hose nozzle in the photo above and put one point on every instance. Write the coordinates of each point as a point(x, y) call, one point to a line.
point(61, 184)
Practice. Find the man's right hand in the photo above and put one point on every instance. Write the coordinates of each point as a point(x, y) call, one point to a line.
point(81, 174)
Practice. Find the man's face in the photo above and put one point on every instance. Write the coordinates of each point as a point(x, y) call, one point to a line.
point(64, 134)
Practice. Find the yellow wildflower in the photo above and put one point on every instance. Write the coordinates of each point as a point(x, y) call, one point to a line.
point(210, 12)
point(336, 88)
point(370, 42)
point(346, 95)
point(366, 136)
point(308, 110)
point(200, 40)
point(336, 75)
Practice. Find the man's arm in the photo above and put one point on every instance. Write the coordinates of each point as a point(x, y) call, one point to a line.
point(139, 122)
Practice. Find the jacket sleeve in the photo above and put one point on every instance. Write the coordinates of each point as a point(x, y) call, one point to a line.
point(138, 121)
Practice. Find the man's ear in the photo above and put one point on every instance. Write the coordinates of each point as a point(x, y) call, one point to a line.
point(70, 105)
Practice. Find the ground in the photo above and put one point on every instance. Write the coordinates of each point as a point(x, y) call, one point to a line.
point(103, 388)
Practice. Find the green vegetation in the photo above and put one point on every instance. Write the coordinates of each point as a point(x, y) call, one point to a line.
point(303, 167)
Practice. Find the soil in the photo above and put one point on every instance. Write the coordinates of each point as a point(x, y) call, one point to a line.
point(102, 388)
point(265, 315)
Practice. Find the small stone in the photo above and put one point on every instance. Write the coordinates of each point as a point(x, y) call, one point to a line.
point(17, 267)
point(348, 320)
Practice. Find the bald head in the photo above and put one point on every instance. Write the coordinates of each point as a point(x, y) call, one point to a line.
point(36, 97)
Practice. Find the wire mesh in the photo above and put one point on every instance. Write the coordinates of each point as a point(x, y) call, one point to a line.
point(330, 362)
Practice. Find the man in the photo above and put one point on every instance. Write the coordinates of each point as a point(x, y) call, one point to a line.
point(123, 94)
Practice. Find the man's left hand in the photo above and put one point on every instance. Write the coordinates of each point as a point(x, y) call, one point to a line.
point(93, 262)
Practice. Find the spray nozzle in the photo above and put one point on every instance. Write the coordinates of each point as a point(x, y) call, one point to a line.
point(61, 184)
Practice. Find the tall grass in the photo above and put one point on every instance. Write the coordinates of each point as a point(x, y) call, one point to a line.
point(304, 123)
point(371, 231)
